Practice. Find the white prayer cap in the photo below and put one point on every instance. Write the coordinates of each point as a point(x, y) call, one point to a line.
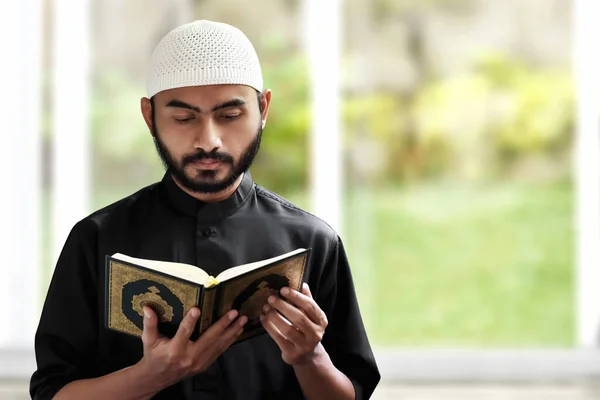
point(203, 53)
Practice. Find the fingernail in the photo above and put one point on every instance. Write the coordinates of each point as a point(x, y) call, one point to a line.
point(146, 313)
point(243, 321)
point(285, 291)
point(195, 312)
point(266, 308)
point(271, 299)
point(233, 314)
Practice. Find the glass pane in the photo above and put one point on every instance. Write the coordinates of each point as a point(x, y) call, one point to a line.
point(459, 209)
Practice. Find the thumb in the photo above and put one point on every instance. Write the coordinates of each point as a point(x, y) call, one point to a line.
point(150, 334)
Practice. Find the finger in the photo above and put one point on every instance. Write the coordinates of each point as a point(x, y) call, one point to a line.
point(296, 316)
point(306, 304)
point(217, 329)
point(232, 333)
point(306, 290)
point(186, 327)
point(285, 328)
point(150, 333)
point(284, 344)
point(225, 340)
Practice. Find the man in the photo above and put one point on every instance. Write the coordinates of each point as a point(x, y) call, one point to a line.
point(206, 109)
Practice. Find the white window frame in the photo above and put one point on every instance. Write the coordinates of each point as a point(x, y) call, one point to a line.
point(71, 131)
point(20, 164)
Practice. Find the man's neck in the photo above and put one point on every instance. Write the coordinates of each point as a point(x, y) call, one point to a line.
point(212, 197)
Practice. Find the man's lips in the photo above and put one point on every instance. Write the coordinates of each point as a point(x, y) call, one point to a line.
point(206, 163)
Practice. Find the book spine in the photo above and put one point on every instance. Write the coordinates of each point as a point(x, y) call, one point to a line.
point(207, 312)
point(107, 292)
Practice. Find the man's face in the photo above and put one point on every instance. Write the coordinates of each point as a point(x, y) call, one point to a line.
point(207, 135)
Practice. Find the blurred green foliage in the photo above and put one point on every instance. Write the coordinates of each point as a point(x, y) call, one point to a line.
point(499, 113)
point(282, 163)
point(539, 108)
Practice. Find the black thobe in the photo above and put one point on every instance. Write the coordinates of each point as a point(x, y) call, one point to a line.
point(163, 222)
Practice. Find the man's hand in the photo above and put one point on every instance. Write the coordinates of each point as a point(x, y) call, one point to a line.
point(297, 325)
point(166, 362)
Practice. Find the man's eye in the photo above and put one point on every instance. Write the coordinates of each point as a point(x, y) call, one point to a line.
point(230, 116)
point(183, 120)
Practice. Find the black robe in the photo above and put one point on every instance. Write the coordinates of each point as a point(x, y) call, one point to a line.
point(163, 222)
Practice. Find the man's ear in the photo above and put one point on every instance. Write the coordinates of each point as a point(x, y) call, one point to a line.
point(146, 108)
point(265, 100)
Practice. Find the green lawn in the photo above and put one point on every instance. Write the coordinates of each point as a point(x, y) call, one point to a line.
point(459, 266)
point(451, 265)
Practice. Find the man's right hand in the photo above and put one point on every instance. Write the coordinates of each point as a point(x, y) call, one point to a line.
point(167, 361)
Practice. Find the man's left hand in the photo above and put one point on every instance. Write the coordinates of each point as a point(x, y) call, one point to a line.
point(296, 323)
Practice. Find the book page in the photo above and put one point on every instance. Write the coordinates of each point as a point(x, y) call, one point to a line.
point(180, 270)
point(242, 269)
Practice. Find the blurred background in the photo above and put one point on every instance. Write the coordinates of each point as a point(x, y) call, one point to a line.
point(452, 126)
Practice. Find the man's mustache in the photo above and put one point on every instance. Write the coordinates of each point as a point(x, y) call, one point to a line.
point(202, 155)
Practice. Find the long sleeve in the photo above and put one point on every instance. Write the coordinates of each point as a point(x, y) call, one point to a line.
point(345, 338)
point(66, 338)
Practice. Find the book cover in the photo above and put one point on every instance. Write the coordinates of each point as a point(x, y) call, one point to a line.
point(130, 287)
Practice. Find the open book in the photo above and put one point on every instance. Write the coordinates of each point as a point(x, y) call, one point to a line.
point(171, 289)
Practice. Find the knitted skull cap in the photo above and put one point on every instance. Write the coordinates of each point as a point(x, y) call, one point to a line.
point(203, 53)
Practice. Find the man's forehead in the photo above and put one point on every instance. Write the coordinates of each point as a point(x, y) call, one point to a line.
point(206, 96)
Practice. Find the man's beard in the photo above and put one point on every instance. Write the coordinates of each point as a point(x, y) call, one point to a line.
point(209, 183)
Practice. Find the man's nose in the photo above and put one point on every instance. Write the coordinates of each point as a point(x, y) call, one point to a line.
point(208, 137)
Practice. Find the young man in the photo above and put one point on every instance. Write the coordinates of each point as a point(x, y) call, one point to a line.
point(206, 109)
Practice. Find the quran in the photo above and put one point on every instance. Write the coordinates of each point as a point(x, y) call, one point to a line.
point(171, 289)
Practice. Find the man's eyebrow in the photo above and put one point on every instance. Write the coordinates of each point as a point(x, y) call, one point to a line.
point(227, 104)
point(181, 104)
